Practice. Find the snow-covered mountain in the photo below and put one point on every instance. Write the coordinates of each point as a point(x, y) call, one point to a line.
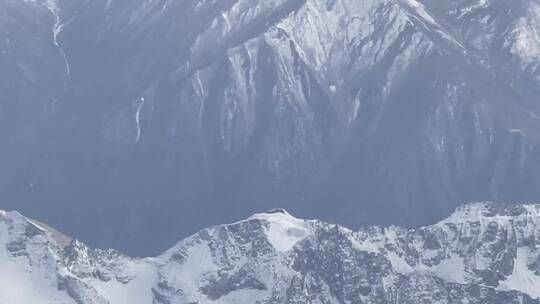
point(396, 110)
point(483, 253)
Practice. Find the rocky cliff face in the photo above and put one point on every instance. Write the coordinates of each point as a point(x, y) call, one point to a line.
point(483, 253)
point(394, 111)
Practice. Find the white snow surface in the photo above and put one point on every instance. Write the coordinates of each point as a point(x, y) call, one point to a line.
point(284, 230)
point(222, 250)
point(31, 275)
point(138, 119)
point(420, 9)
point(523, 278)
point(136, 291)
point(22, 280)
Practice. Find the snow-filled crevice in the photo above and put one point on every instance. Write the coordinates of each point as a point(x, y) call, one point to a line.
point(426, 22)
point(52, 6)
point(138, 119)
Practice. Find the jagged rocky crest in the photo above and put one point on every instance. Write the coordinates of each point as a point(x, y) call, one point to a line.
point(483, 253)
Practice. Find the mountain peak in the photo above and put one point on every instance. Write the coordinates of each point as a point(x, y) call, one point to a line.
point(276, 212)
point(21, 224)
point(283, 230)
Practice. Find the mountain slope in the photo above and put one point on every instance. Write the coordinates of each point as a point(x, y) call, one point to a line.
point(483, 253)
point(398, 111)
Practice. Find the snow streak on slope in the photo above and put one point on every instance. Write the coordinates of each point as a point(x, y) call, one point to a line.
point(52, 6)
point(425, 21)
point(138, 119)
point(523, 277)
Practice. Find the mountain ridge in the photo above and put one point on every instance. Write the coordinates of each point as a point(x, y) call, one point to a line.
point(397, 110)
point(483, 253)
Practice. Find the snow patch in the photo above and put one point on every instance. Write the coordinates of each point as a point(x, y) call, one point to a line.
point(522, 278)
point(399, 264)
point(136, 291)
point(523, 39)
point(284, 230)
point(533, 210)
point(190, 272)
point(366, 245)
point(517, 131)
point(240, 296)
point(451, 269)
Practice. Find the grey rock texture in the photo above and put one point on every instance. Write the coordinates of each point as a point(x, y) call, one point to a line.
point(137, 117)
point(483, 253)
